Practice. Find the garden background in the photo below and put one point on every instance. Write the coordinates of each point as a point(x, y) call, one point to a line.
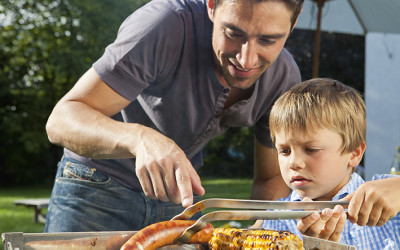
point(46, 45)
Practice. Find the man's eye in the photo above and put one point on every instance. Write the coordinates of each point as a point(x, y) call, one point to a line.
point(267, 41)
point(233, 34)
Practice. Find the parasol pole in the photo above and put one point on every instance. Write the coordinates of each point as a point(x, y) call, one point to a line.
point(317, 46)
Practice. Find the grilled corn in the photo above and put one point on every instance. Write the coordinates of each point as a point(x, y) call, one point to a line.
point(243, 239)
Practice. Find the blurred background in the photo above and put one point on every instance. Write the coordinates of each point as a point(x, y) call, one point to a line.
point(46, 45)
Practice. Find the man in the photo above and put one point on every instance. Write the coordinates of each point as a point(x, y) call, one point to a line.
point(179, 74)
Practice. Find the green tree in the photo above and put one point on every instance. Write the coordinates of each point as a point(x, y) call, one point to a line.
point(230, 155)
point(46, 45)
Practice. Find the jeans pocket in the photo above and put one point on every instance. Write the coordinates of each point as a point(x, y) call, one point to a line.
point(79, 172)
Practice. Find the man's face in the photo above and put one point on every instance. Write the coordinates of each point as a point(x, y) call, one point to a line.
point(313, 164)
point(247, 39)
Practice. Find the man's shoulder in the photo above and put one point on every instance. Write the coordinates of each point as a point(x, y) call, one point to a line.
point(285, 57)
point(181, 5)
point(284, 71)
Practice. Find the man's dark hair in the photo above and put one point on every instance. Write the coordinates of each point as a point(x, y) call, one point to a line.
point(293, 5)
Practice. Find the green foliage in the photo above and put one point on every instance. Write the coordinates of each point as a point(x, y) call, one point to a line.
point(19, 218)
point(229, 155)
point(46, 45)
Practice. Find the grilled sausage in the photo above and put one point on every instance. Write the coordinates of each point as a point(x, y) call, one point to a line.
point(164, 233)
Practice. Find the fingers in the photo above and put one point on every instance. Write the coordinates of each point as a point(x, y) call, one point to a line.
point(145, 182)
point(356, 201)
point(152, 181)
point(196, 182)
point(170, 183)
point(309, 226)
point(328, 224)
point(367, 208)
point(163, 169)
point(334, 224)
point(169, 180)
point(385, 216)
point(374, 202)
point(184, 184)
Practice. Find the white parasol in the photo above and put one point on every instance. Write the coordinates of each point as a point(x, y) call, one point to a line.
point(348, 16)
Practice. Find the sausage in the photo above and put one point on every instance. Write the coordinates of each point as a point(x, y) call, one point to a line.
point(164, 233)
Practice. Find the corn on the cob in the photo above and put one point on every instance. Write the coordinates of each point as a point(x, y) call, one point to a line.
point(243, 239)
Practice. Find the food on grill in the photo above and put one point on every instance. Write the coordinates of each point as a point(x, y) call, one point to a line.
point(164, 233)
point(89, 243)
point(240, 239)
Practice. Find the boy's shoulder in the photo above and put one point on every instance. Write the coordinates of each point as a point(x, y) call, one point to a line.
point(355, 181)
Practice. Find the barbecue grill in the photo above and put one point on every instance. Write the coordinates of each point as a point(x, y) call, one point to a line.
point(98, 241)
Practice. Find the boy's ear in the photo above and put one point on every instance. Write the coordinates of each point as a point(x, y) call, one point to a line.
point(356, 155)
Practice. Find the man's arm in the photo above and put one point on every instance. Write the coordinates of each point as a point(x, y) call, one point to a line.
point(81, 122)
point(268, 183)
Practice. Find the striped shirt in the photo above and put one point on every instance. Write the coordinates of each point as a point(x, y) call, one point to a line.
point(363, 237)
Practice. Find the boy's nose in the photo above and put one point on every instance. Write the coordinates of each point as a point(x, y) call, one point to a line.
point(247, 57)
point(296, 162)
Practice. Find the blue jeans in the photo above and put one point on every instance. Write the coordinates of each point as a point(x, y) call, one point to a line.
point(84, 199)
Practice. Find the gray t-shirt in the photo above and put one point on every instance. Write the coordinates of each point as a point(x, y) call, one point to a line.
point(162, 60)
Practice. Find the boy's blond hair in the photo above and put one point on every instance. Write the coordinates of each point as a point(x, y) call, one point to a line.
point(321, 103)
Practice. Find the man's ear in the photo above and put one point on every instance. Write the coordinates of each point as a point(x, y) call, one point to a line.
point(210, 10)
point(357, 154)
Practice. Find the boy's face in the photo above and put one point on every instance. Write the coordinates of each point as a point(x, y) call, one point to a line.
point(247, 38)
point(312, 164)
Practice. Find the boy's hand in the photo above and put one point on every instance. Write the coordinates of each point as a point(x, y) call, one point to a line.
point(374, 202)
point(327, 225)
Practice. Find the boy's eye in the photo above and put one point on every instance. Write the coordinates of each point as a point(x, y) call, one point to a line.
point(284, 151)
point(312, 150)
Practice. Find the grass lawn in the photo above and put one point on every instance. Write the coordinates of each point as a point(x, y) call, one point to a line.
point(20, 219)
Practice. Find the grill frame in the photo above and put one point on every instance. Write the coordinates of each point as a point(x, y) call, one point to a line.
point(17, 240)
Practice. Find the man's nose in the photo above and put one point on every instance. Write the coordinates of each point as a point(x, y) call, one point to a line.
point(247, 56)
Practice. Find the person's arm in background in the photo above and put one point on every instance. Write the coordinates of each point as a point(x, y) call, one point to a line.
point(268, 183)
point(81, 122)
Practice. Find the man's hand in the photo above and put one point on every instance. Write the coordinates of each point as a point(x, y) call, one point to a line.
point(374, 202)
point(327, 225)
point(164, 171)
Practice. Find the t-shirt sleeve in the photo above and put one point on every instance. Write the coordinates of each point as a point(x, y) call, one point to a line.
point(143, 50)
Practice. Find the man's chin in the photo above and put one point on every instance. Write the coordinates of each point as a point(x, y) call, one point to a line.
point(241, 84)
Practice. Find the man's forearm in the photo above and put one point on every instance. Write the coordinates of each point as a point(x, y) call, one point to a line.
point(79, 128)
point(271, 189)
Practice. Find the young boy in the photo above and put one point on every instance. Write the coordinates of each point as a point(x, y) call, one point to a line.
point(319, 130)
